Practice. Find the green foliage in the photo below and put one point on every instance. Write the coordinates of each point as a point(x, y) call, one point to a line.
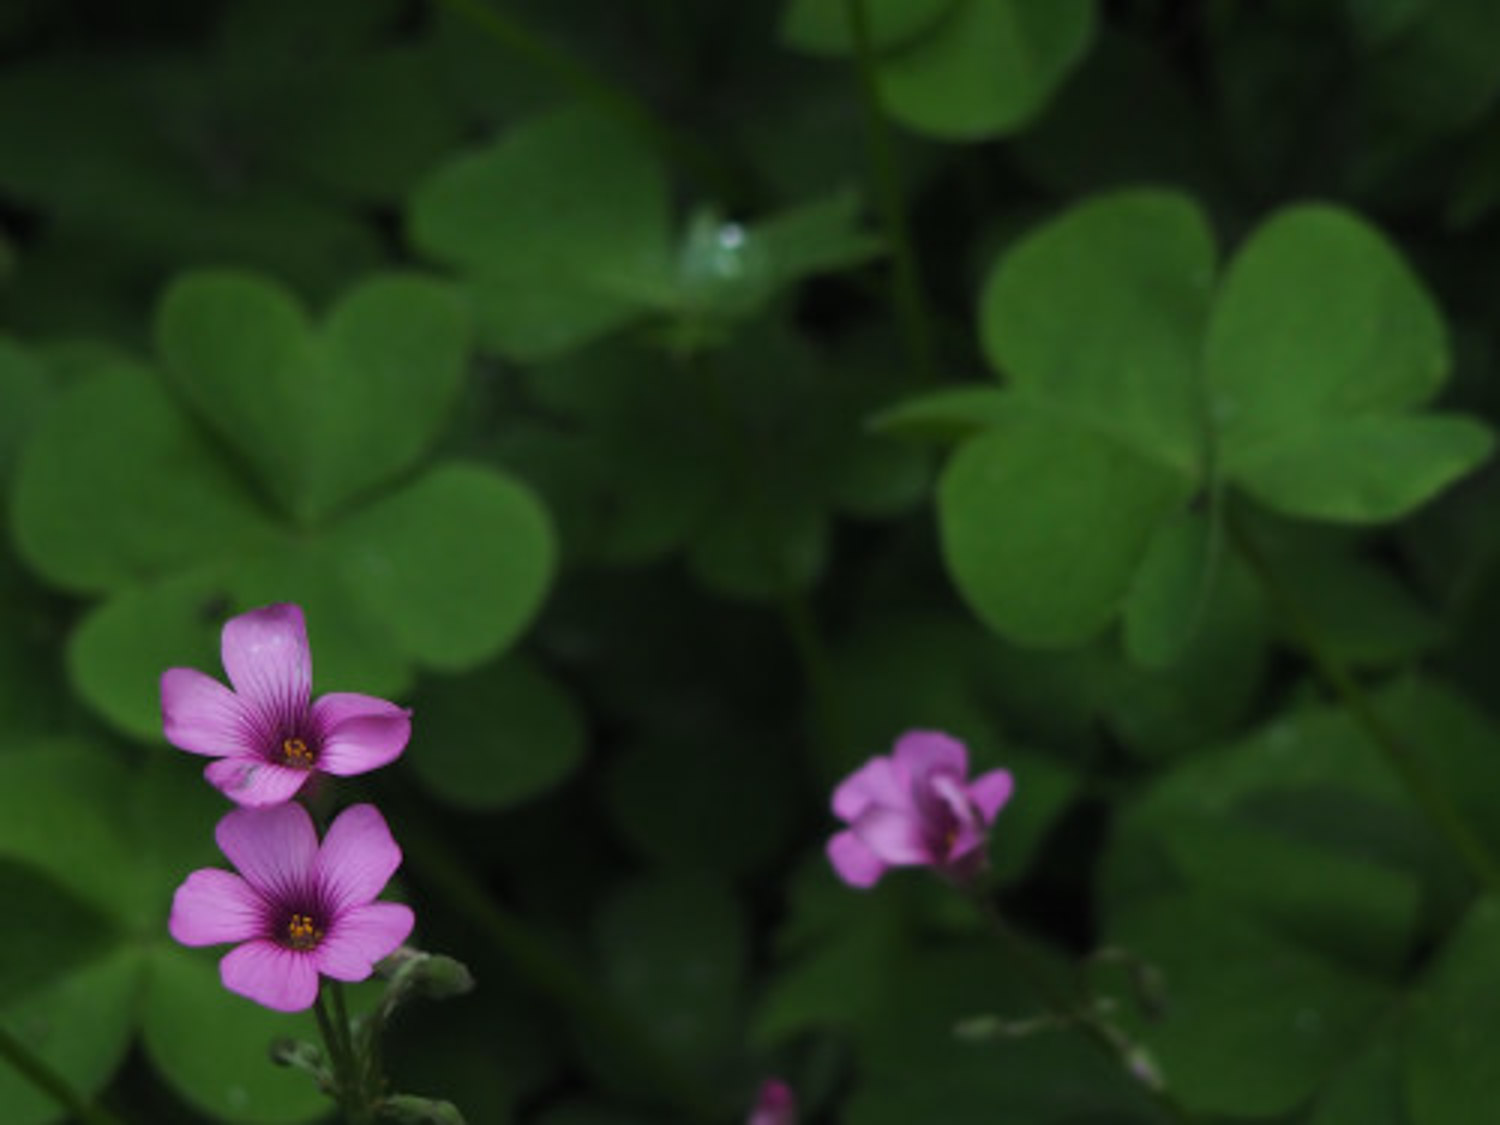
point(565, 363)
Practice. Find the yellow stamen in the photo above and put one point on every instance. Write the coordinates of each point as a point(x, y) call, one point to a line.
point(295, 752)
point(301, 933)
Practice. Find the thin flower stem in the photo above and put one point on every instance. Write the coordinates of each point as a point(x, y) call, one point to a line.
point(538, 964)
point(1420, 785)
point(906, 282)
point(338, 1054)
point(1067, 1008)
point(36, 1071)
point(589, 86)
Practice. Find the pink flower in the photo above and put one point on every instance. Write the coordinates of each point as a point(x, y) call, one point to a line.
point(775, 1105)
point(916, 808)
point(297, 909)
point(269, 734)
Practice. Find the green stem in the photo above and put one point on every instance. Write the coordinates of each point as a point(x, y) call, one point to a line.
point(36, 1071)
point(1067, 1009)
point(538, 964)
point(589, 86)
point(336, 1043)
point(906, 284)
point(1420, 785)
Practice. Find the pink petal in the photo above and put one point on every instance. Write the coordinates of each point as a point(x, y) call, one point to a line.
point(266, 655)
point(775, 1105)
point(274, 848)
point(201, 715)
point(990, 792)
point(360, 937)
point(358, 857)
point(874, 783)
point(213, 906)
point(255, 782)
point(360, 732)
point(895, 837)
point(275, 977)
point(855, 863)
point(920, 752)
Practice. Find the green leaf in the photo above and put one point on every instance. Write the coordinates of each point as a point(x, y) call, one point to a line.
point(1099, 314)
point(1446, 37)
point(561, 228)
point(116, 654)
point(756, 550)
point(80, 1026)
point(988, 68)
point(1253, 1025)
point(25, 391)
point(117, 485)
point(1449, 1077)
point(1367, 1090)
point(454, 566)
point(1366, 469)
point(945, 416)
point(822, 27)
point(673, 953)
point(1172, 590)
point(496, 736)
point(226, 1074)
point(1318, 320)
point(321, 416)
point(61, 933)
point(1044, 525)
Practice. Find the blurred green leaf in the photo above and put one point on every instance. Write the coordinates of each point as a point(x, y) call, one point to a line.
point(1253, 1026)
point(496, 736)
point(321, 416)
point(116, 485)
point(1320, 336)
point(1447, 1073)
point(61, 934)
point(822, 27)
point(25, 392)
point(1445, 37)
point(454, 566)
point(986, 69)
point(1172, 589)
point(1367, 1089)
point(559, 227)
point(673, 953)
point(80, 1026)
point(227, 1074)
point(1044, 524)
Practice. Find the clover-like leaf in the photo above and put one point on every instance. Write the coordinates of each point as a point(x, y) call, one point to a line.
point(322, 413)
point(986, 68)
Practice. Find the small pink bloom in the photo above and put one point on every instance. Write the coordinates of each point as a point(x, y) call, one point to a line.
point(775, 1105)
point(269, 734)
point(916, 808)
point(296, 908)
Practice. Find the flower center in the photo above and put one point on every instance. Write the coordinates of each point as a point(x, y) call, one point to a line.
point(297, 753)
point(302, 933)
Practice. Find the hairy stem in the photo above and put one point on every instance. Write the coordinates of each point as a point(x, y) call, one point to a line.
point(906, 284)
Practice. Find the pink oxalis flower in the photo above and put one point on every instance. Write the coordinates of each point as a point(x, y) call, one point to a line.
point(774, 1105)
point(297, 909)
point(916, 808)
point(269, 734)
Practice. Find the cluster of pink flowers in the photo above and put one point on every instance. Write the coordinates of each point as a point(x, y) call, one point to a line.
point(297, 908)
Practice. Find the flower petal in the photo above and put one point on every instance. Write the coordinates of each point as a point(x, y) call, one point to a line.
point(855, 863)
point(255, 782)
point(201, 715)
point(213, 906)
point(877, 782)
point(920, 752)
point(774, 1105)
point(360, 733)
point(895, 837)
point(266, 655)
point(990, 792)
point(357, 859)
point(360, 937)
point(274, 848)
point(283, 979)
